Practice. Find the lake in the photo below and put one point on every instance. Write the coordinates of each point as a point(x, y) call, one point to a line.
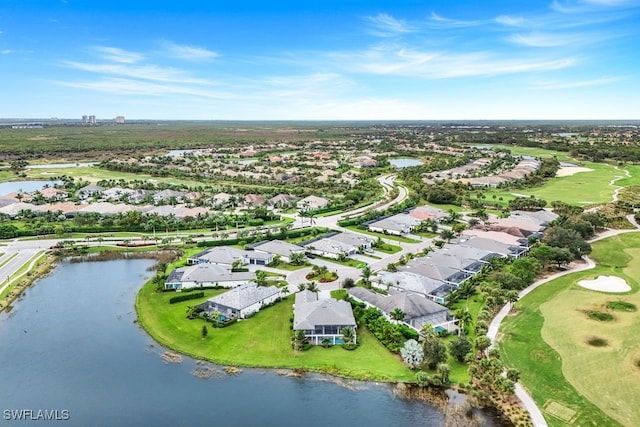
point(24, 186)
point(404, 162)
point(71, 344)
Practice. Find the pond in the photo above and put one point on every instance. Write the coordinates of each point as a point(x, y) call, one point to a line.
point(405, 162)
point(24, 186)
point(75, 346)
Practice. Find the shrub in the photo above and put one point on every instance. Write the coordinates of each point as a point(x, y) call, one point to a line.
point(186, 297)
point(621, 306)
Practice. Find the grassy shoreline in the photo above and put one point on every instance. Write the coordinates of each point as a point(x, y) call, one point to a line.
point(262, 341)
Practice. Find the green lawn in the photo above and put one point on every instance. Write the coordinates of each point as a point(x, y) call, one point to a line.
point(573, 382)
point(536, 152)
point(583, 188)
point(261, 341)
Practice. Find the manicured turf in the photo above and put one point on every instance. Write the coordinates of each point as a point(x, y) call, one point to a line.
point(583, 188)
point(548, 340)
point(262, 341)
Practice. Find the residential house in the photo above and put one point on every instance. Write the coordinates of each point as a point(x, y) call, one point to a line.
point(411, 282)
point(397, 225)
point(89, 191)
point(312, 202)
point(226, 255)
point(418, 311)
point(322, 319)
point(282, 200)
point(254, 200)
point(277, 248)
point(360, 241)
point(167, 195)
point(241, 302)
point(206, 275)
point(329, 248)
point(426, 212)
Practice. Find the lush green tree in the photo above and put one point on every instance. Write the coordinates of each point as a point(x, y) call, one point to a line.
point(482, 343)
point(297, 258)
point(204, 332)
point(561, 237)
point(348, 283)
point(459, 348)
point(443, 372)
point(313, 287)
point(348, 334)
point(366, 276)
point(397, 314)
point(261, 278)
point(434, 350)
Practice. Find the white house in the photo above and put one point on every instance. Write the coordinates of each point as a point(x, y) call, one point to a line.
point(241, 302)
point(206, 275)
point(322, 319)
point(312, 202)
point(278, 247)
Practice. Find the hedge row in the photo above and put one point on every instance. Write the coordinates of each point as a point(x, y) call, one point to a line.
point(186, 297)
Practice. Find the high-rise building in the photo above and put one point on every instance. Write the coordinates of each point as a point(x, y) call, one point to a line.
point(92, 120)
point(85, 119)
point(119, 120)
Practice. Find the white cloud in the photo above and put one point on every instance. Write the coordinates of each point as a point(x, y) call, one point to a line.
point(577, 84)
point(403, 61)
point(510, 21)
point(6, 51)
point(187, 52)
point(384, 25)
point(118, 55)
point(143, 72)
point(123, 86)
point(551, 39)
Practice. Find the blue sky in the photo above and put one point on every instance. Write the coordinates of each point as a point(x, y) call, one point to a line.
point(321, 59)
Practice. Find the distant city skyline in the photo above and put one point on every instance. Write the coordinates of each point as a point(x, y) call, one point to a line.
point(321, 60)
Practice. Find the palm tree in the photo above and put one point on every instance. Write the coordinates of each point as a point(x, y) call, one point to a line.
point(313, 287)
point(261, 278)
point(366, 276)
point(299, 340)
point(397, 314)
point(348, 334)
point(512, 297)
point(428, 330)
point(191, 312)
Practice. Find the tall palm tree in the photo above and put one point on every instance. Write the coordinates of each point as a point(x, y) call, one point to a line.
point(366, 275)
point(348, 334)
point(313, 287)
point(397, 314)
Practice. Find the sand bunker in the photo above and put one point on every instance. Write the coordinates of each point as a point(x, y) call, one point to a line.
point(571, 170)
point(606, 284)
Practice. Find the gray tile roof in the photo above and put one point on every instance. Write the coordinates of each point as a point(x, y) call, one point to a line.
point(327, 312)
point(412, 304)
point(278, 247)
point(203, 273)
point(244, 296)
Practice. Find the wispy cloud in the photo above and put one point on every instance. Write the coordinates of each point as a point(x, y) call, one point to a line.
point(383, 25)
point(118, 55)
point(123, 86)
point(404, 61)
point(187, 52)
point(577, 84)
point(142, 72)
point(536, 39)
point(437, 20)
point(6, 51)
point(584, 6)
point(510, 21)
